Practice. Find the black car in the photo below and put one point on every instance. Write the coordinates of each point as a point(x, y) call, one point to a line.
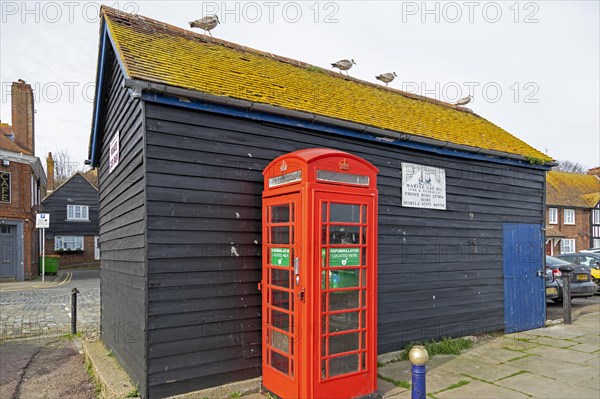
point(586, 258)
point(581, 283)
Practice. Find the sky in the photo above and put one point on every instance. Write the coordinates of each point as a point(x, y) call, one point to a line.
point(532, 67)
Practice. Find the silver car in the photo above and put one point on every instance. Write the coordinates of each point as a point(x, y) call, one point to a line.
point(581, 282)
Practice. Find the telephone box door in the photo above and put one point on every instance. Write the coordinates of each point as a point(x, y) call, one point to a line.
point(281, 294)
point(347, 343)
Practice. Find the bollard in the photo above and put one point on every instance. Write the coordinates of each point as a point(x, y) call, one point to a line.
point(418, 357)
point(74, 293)
point(566, 275)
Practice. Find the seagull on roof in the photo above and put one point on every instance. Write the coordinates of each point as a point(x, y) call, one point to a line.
point(343, 65)
point(386, 77)
point(207, 23)
point(464, 100)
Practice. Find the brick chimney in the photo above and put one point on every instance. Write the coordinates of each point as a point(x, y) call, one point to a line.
point(50, 173)
point(22, 115)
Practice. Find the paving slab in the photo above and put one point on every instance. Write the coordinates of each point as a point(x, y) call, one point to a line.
point(438, 380)
point(481, 369)
point(586, 348)
point(557, 370)
point(555, 341)
point(491, 355)
point(565, 355)
point(591, 383)
point(516, 345)
point(480, 390)
point(544, 387)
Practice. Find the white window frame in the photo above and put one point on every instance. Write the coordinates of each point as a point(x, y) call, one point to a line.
point(78, 213)
point(68, 243)
point(552, 215)
point(595, 216)
point(567, 246)
point(596, 243)
point(569, 216)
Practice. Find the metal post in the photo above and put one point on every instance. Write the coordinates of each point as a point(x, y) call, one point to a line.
point(43, 253)
point(74, 293)
point(566, 278)
point(418, 357)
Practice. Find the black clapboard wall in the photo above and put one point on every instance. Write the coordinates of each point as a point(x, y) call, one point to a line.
point(123, 272)
point(76, 191)
point(440, 272)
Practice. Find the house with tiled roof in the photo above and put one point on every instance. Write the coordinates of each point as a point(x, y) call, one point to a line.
point(22, 184)
point(184, 125)
point(573, 212)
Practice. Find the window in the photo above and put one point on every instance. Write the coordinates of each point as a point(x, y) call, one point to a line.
point(596, 216)
point(78, 212)
point(567, 246)
point(68, 243)
point(552, 215)
point(596, 243)
point(569, 216)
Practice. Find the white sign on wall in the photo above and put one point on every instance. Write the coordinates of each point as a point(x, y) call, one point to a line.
point(423, 186)
point(42, 221)
point(114, 153)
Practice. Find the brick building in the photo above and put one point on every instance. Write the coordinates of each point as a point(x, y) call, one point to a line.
point(572, 209)
point(22, 185)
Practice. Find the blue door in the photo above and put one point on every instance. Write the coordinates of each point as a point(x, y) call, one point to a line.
point(524, 285)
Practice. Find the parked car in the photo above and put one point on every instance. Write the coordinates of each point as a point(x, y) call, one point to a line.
point(592, 250)
point(581, 282)
point(552, 287)
point(589, 259)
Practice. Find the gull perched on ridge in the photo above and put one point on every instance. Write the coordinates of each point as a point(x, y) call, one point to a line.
point(464, 100)
point(343, 65)
point(386, 77)
point(207, 23)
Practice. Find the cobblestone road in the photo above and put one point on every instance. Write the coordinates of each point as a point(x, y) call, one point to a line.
point(47, 312)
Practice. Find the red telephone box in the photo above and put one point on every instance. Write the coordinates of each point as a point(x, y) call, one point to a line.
point(319, 281)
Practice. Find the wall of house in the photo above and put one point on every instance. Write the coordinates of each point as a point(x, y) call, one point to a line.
point(580, 231)
point(20, 208)
point(76, 191)
point(440, 272)
point(122, 230)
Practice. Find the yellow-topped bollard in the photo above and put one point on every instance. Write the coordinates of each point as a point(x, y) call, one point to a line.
point(418, 356)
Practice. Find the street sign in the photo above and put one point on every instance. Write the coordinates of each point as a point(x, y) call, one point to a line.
point(42, 221)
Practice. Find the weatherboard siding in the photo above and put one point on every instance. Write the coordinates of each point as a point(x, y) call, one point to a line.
point(122, 230)
point(76, 191)
point(440, 272)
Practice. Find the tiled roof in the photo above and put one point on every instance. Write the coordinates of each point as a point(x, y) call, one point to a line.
point(157, 52)
point(9, 145)
point(572, 189)
point(92, 177)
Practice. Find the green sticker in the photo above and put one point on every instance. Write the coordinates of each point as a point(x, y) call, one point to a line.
point(280, 256)
point(342, 256)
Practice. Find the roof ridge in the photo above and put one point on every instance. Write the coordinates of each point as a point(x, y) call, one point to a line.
point(301, 64)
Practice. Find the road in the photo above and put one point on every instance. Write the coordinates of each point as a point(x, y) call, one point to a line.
point(554, 311)
point(46, 312)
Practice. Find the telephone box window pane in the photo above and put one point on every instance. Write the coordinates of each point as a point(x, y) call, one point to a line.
point(280, 341)
point(344, 234)
point(343, 343)
point(280, 320)
point(364, 277)
point(363, 318)
point(364, 235)
point(364, 257)
point(364, 214)
point(343, 321)
point(343, 365)
point(280, 362)
point(343, 278)
point(280, 278)
point(280, 214)
point(281, 299)
point(343, 300)
point(363, 294)
point(364, 340)
point(324, 212)
point(345, 213)
point(280, 235)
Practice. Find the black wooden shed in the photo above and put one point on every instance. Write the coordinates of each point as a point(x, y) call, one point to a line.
point(183, 126)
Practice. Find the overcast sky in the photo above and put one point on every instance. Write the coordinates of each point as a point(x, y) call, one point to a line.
point(532, 67)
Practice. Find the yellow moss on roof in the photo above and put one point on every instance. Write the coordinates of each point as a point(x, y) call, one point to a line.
point(153, 51)
point(572, 189)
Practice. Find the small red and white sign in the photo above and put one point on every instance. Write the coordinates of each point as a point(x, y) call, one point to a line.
point(114, 153)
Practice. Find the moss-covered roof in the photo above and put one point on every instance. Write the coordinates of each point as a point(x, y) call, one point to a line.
point(153, 51)
point(572, 189)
